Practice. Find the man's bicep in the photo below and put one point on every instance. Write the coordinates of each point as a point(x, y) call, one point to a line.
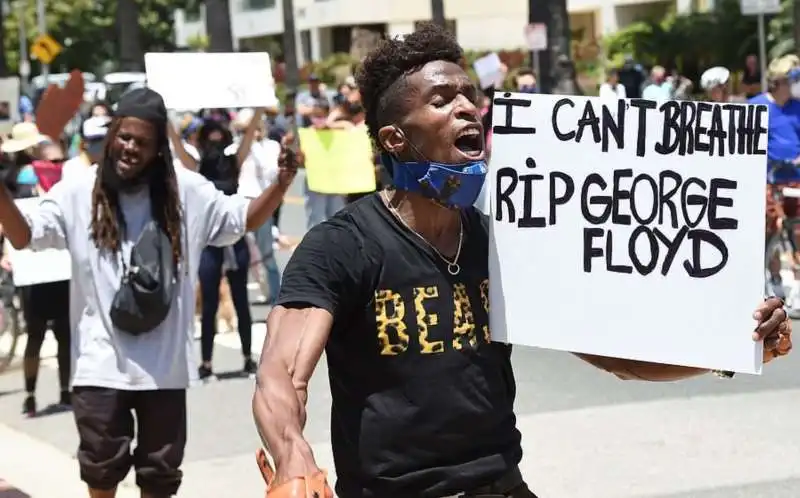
point(296, 340)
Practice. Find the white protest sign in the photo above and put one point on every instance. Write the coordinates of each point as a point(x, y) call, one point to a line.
point(214, 80)
point(9, 104)
point(755, 7)
point(536, 36)
point(38, 267)
point(630, 229)
point(489, 70)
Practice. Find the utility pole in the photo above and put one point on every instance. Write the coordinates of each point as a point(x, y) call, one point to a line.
point(539, 13)
point(290, 46)
point(24, 63)
point(42, 21)
point(437, 13)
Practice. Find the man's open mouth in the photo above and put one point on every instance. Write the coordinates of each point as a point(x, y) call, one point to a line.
point(470, 141)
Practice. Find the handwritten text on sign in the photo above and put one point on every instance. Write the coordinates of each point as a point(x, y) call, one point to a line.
point(651, 214)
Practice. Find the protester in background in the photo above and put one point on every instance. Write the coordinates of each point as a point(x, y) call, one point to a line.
point(659, 87)
point(632, 76)
point(142, 363)
point(427, 417)
point(221, 162)
point(715, 82)
point(286, 120)
point(750, 81)
point(681, 85)
point(45, 304)
point(783, 155)
point(93, 135)
point(101, 109)
point(259, 171)
point(310, 101)
point(612, 88)
point(526, 81)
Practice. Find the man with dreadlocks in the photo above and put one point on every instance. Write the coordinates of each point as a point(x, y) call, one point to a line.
point(99, 217)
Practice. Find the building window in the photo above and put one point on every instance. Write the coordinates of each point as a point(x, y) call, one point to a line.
point(257, 4)
point(192, 12)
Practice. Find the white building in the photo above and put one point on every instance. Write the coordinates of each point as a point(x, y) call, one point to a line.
point(324, 26)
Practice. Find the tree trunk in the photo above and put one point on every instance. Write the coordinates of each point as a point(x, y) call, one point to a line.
point(437, 13)
point(290, 46)
point(218, 26)
point(131, 57)
point(3, 61)
point(556, 68)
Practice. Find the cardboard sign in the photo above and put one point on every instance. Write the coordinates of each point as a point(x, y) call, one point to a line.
point(38, 267)
point(338, 161)
point(631, 229)
point(212, 80)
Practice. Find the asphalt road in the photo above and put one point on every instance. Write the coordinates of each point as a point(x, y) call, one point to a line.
point(587, 434)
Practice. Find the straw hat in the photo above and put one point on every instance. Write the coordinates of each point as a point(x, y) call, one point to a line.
point(781, 67)
point(23, 136)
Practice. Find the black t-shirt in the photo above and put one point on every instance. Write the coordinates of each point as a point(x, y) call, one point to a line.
point(422, 402)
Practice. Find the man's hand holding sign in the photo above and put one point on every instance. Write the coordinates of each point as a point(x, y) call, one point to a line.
point(642, 212)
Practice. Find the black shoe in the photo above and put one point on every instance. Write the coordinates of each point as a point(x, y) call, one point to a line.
point(66, 399)
point(250, 367)
point(29, 406)
point(205, 373)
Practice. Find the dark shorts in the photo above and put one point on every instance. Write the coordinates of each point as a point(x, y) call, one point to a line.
point(106, 429)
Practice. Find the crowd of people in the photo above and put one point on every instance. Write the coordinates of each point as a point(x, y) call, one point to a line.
point(150, 206)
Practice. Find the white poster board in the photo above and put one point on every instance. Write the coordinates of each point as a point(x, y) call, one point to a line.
point(213, 80)
point(38, 267)
point(9, 104)
point(489, 70)
point(627, 229)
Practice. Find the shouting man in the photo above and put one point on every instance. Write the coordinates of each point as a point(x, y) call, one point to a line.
point(394, 289)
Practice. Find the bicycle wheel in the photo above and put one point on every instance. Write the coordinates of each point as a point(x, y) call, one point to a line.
point(9, 334)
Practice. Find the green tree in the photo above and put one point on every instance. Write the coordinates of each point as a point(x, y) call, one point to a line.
point(89, 33)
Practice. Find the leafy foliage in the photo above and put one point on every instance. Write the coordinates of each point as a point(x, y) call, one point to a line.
point(689, 43)
point(86, 29)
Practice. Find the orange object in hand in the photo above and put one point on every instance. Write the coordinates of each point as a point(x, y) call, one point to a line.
point(315, 486)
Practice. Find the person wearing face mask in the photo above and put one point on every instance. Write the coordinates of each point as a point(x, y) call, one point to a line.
point(93, 135)
point(783, 100)
point(133, 364)
point(783, 154)
point(526, 82)
point(220, 162)
point(394, 289)
point(44, 305)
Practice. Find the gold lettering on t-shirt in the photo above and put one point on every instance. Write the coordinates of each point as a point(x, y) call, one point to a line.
point(487, 334)
point(463, 320)
point(389, 314)
point(425, 320)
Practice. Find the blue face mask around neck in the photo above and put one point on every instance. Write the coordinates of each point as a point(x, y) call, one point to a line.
point(452, 185)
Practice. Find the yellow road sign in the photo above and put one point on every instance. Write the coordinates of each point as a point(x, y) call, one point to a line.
point(45, 49)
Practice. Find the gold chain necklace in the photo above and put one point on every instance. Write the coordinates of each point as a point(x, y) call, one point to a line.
point(453, 268)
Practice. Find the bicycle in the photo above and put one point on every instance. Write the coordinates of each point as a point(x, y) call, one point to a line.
point(782, 258)
point(11, 323)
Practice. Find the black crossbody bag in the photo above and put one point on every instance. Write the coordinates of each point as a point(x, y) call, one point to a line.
point(145, 294)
